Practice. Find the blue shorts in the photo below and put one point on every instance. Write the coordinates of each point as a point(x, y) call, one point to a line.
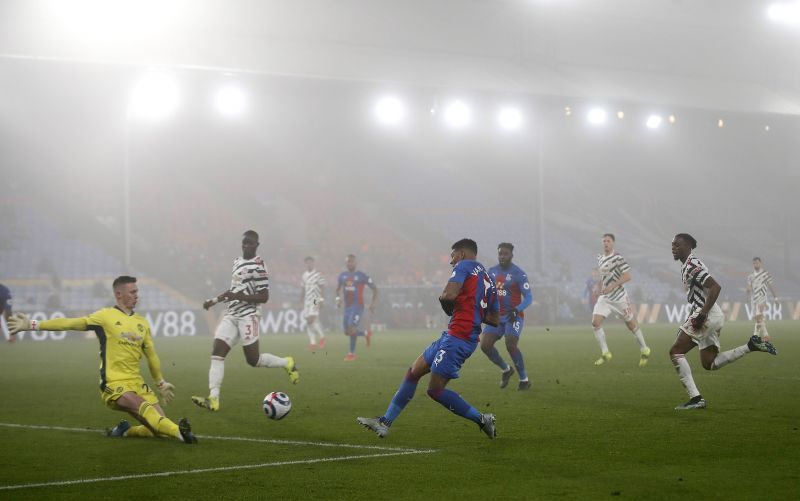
point(352, 316)
point(446, 355)
point(512, 328)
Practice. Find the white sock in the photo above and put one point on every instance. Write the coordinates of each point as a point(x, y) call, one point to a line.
point(685, 374)
point(215, 375)
point(640, 338)
point(729, 356)
point(312, 339)
point(600, 335)
point(270, 360)
point(318, 327)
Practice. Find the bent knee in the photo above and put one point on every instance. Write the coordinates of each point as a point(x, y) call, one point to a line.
point(435, 393)
point(252, 362)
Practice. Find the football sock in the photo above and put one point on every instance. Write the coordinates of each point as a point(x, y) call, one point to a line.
point(600, 335)
point(353, 344)
point(403, 396)
point(161, 424)
point(685, 374)
point(496, 359)
point(215, 375)
point(318, 328)
point(729, 356)
point(270, 360)
point(455, 404)
point(761, 329)
point(312, 338)
point(139, 431)
point(519, 363)
point(640, 338)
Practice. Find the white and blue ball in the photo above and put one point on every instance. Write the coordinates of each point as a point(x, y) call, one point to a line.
point(277, 405)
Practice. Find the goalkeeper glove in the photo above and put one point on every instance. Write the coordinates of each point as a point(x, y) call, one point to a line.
point(19, 322)
point(167, 391)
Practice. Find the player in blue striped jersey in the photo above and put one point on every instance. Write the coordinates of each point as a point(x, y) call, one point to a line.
point(514, 295)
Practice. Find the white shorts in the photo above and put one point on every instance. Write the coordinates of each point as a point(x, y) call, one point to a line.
point(708, 335)
point(605, 307)
point(758, 308)
point(231, 329)
point(311, 309)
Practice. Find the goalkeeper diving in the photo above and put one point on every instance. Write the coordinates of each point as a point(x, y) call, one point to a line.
point(124, 337)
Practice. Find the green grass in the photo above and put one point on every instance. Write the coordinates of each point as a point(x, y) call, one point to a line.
point(582, 432)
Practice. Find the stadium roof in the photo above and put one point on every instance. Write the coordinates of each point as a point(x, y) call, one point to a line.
point(715, 54)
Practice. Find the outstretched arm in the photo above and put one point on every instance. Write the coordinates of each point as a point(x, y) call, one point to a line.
point(20, 322)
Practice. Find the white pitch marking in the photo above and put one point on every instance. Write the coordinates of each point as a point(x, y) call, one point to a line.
point(238, 439)
point(209, 470)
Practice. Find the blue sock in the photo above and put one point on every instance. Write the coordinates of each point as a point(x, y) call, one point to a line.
point(496, 359)
point(457, 405)
point(519, 363)
point(352, 344)
point(403, 396)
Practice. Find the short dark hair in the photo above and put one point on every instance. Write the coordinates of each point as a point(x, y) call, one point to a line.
point(308, 258)
point(466, 244)
point(251, 233)
point(505, 245)
point(351, 255)
point(756, 258)
point(122, 280)
point(688, 239)
point(611, 236)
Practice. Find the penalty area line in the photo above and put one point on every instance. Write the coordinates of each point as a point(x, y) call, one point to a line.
point(237, 439)
point(62, 483)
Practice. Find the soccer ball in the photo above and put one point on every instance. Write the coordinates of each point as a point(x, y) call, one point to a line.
point(277, 405)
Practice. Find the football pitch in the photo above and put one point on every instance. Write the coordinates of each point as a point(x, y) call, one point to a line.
point(582, 432)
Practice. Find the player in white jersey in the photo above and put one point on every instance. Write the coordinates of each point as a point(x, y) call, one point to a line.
point(249, 290)
point(614, 273)
point(703, 324)
point(757, 284)
point(311, 295)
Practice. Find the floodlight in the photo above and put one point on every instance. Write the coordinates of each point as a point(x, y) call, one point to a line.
point(620, 114)
point(597, 116)
point(154, 97)
point(509, 118)
point(784, 12)
point(230, 100)
point(390, 111)
point(672, 119)
point(653, 121)
point(458, 115)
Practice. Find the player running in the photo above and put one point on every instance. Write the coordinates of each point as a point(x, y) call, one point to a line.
point(514, 295)
point(249, 290)
point(352, 283)
point(703, 324)
point(757, 284)
point(469, 298)
point(614, 273)
point(311, 295)
point(124, 337)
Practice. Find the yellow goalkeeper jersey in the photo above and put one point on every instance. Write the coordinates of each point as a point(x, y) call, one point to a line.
point(123, 340)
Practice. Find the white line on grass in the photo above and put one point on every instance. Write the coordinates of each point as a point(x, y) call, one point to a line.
point(210, 470)
point(238, 439)
point(391, 451)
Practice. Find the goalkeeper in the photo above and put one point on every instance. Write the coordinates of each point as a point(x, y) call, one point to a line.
point(124, 337)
